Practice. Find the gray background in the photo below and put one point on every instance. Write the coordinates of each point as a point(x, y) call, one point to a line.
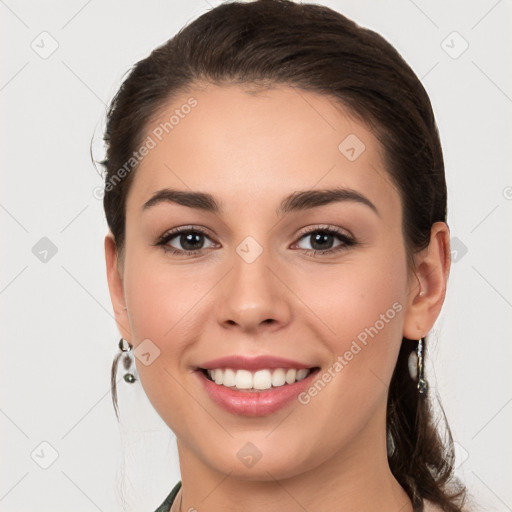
point(58, 334)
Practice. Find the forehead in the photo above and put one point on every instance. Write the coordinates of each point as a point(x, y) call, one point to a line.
point(241, 143)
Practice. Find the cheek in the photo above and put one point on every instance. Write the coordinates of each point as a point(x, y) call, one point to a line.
point(162, 299)
point(364, 310)
point(351, 298)
point(163, 305)
point(168, 305)
point(361, 308)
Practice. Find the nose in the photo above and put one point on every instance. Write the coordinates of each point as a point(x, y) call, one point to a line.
point(252, 298)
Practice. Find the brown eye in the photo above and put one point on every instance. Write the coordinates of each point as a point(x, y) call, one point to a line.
point(191, 241)
point(325, 241)
point(321, 240)
point(185, 241)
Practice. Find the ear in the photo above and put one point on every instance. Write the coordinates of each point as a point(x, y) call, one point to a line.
point(427, 288)
point(116, 288)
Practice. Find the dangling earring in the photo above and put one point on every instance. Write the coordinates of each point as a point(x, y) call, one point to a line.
point(416, 369)
point(126, 347)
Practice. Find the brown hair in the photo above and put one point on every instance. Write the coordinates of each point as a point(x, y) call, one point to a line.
point(311, 47)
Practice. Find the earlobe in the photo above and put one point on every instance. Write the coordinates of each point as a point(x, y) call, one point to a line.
point(116, 288)
point(428, 287)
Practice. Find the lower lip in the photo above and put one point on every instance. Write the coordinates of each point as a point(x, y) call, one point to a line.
point(255, 403)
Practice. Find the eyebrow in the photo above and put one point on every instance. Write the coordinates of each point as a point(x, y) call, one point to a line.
point(301, 200)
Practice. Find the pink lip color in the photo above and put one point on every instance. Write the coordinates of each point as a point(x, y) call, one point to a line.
point(254, 403)
point(239, 362)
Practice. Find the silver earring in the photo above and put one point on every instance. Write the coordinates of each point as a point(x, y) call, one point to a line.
point(126, 348)
point(416, 369)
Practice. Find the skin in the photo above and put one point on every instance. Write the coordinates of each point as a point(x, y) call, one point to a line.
point(250, 149)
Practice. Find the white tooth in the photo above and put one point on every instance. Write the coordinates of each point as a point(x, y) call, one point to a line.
point(278, 377)
point(290, 375)
point(262, 380)
point(302, 373)
point(229, 378)
point(243, 379)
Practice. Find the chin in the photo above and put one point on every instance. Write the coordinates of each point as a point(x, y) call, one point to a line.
point(252, 465)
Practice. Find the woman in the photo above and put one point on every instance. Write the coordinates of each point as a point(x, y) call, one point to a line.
point(278, 252)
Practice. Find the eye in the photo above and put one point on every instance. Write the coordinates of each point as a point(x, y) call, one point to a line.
point(190, 240)
point(185, 240)
point(326, 240)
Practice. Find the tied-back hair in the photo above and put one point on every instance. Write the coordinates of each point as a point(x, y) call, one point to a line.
point(269, 43)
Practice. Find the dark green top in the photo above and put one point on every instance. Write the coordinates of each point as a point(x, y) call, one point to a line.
point(166, 505)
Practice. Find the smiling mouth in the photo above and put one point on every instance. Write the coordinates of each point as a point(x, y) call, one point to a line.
point(260, 380)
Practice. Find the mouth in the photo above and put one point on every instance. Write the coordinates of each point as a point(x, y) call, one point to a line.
point(255, 393)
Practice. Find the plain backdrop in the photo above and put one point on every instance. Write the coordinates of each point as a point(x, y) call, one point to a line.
point(61, 62)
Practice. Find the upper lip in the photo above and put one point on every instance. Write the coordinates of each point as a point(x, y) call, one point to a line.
point(239, 362)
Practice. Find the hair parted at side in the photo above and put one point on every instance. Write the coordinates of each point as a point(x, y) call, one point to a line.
point(313, 48)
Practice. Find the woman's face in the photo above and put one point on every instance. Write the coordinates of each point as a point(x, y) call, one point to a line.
point(275, 269)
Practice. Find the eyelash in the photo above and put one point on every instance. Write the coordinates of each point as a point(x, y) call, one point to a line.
point(347, 240)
